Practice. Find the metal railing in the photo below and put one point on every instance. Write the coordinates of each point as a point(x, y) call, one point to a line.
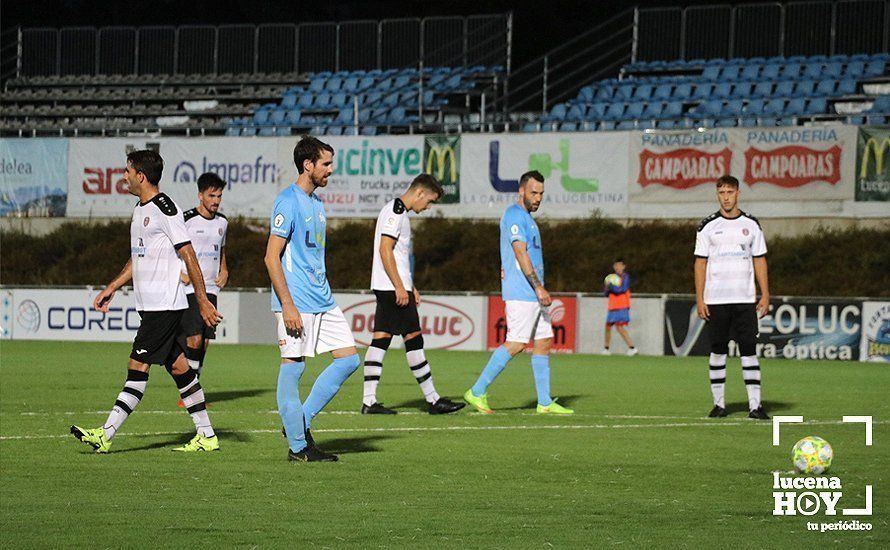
point(271, 48)
point(820, 27)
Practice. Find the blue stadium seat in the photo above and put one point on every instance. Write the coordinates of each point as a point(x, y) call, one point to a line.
point(771, 72)
point(875, 67)
point(366, 83)
point(653, 110)
point(702, 91)
point(730, 72)
point(754, 107)
point(748, 122)
point(875, 120)
point(615, 111)
point(276, 117)
point(372, 99)
point(333, 84)
point(733, 107)
point(391, 99)
point(261, 116)
point(557, 113)
point(674, 109)
point(345, 116)
point(833, 70)
point(645, 124)
point(775, 106)
point(710, 108)
point(854, 69)
point(233, 131)
point(306, 100)
point(722, 90)
point(663, 91)
point(826, 87)
point(742, 89)
point(881, 105)
point(350, 85)
point(248, 131)
point(818, 58)
point(322, 100)
point(763, 89)
point(383, 85)
point(266, 131)
point(711, 72)
point(784, 88)
point(289, 100)
point(568, 127)
point(292, 117)
point(282, 131)
point(334, 130)
point(339, 99)
point(402, 82)
point(813, 71)
point(625, 92)
point(603, 93)
point(846, 87)
point(597, 111)
point(804, 88)
point(634, 111)
point(530, 127)
point(751, 72)
point(626, 125)
point(453, 82)
point(791, 70)
point(575, 113)
point(796, 106)
point(586, 94)
point(726, 123)
point(817, 106)
point(683, 91)
point(666, 124)
point(643, 92)
point(317, 84)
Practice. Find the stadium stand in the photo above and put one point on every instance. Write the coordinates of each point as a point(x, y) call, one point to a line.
point(742, 92)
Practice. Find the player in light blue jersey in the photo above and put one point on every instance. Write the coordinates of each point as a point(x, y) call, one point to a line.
point(309, 322)
point(527, 302)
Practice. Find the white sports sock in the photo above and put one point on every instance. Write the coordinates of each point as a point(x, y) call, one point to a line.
point(421, 370)
point(717, 373)
point(127, 400)
point(373, 372)
point(751, 374)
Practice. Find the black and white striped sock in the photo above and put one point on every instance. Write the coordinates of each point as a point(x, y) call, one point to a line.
point(193, 398)
point(751, 374)
point(717, 373)
point(127, 400)
point(420, 368)
point(374, 368)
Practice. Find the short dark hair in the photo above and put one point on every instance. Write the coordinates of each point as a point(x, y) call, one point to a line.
point(309, 148)
point(210, 179)
point(727, 180)
point(531, 175)
point(148, 162)
point(618, 260)
point(428, 182)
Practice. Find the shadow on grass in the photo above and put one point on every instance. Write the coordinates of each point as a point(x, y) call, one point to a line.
point(769, 406)
point(220, 396)
point(179, 440)
point(532, 404)
point(348, 445)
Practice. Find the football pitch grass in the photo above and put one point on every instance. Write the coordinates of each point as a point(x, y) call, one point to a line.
point(638, 465)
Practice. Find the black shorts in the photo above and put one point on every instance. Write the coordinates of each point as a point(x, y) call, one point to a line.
point(193, 323)
point(733, 322)
point(394, 319)
point(160, 338)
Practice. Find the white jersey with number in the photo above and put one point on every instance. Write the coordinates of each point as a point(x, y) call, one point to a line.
point(729, 245)
point(157, 232)
point(208, 236)
point(393, 222)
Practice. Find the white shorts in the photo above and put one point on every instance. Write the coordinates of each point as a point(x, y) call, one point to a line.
point(527, 321)
point(322, 332)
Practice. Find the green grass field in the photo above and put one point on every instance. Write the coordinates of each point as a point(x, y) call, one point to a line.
point(637, 466)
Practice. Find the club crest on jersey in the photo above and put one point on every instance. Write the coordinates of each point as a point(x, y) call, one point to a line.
point(321, 217)
point(220, 231)
point(745, 231)
point(279, 219)
point(145, 221)
point(514, 229)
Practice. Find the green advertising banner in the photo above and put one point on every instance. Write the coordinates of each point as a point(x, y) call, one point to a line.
point(872, 169)
point(441, 156)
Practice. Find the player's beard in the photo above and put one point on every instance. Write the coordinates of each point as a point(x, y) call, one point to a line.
point(529, 205)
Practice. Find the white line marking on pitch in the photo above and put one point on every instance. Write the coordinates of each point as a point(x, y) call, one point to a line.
point(707, 424)
point(357, 413)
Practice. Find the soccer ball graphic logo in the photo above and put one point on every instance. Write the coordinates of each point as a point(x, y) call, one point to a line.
point(811, 455)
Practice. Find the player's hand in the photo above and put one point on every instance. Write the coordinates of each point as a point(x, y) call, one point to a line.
point(184, 277)
point(401, 297)
point(211, 316)
point(703, 311)
point(416, 297)
point(763, 306)
point(100, 303)
point(543, 296)
point(222, 279)
point(293, 322)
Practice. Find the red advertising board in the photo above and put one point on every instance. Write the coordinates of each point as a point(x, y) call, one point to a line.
point(562, 314)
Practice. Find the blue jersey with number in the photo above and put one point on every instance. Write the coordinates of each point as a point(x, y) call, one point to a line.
point(518, 225)
point(300, 219)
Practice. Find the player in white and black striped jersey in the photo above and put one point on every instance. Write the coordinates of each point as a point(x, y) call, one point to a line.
point(730, 252)
point(159, 243)
point(207, 229)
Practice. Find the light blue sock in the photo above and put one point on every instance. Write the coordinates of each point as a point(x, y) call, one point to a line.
point(496, 364)
point(328, 384)
point(541, 368)
point(289, 406)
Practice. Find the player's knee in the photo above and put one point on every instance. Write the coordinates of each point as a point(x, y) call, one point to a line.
point(381, 343)
point(747, 348)
point(349, 364)
point(415, 343)
point(195, 341)
point(720, 348)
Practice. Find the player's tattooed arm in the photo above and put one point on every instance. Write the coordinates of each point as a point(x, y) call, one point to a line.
point(100, 303)
point(525, 264)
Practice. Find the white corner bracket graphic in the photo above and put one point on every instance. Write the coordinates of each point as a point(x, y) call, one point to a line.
point(864, 420)
point(779, 420)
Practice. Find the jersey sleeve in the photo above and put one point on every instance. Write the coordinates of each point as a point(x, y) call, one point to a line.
point(174, 227)
point(391, 224)
point(225, 230)
point(758, 246)
point(701, 244)
point(514, 227)
point(283, 218)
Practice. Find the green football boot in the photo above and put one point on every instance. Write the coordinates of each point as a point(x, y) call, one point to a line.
point(481, 402)
point(199, 443)
point(94, 438)
point(554, 408)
